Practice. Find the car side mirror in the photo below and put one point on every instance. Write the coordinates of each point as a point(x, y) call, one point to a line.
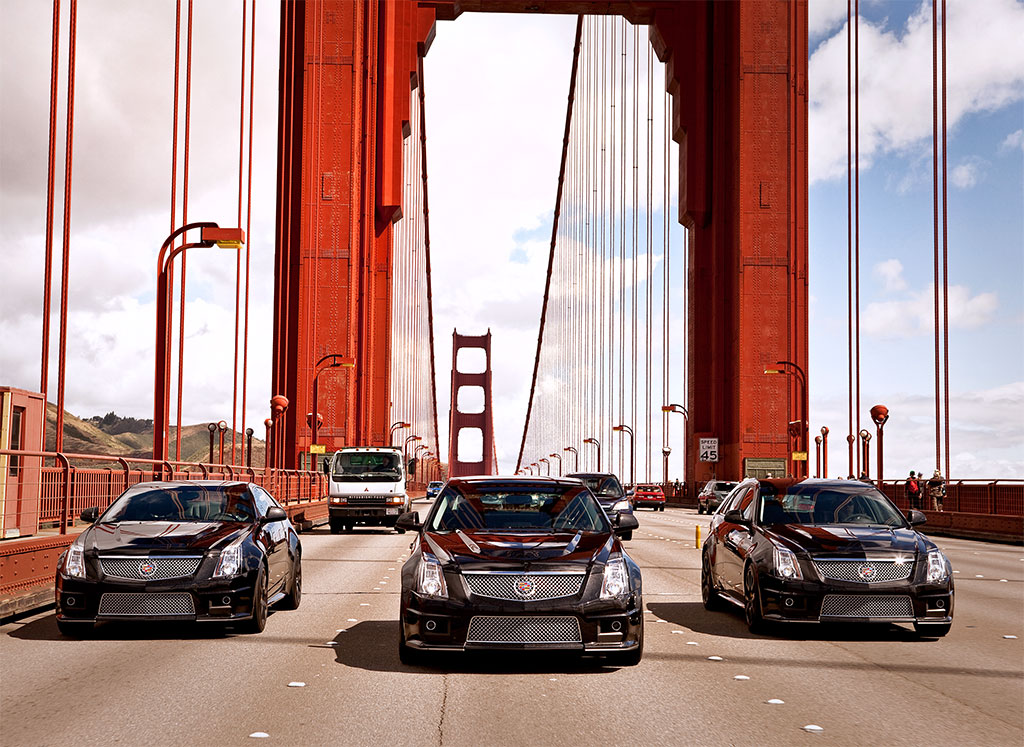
point(90, 515)
point(626, 523)
point(917, 518)
point(274, 513)
point(410, 521)
point(736, 517)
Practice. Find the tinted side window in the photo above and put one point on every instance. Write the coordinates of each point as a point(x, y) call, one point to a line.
point(733, 501)
point(748, 504)
point(263, 501)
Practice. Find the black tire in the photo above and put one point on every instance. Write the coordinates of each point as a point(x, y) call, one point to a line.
point(662, 507)
point(294, 596)
point(927, 630)
point(74, 629)
point(752, 601)
point(629, 658)
point(708, 593)
point(399, 530)
point(336, 527)
point(700, 509)
point(258, 622)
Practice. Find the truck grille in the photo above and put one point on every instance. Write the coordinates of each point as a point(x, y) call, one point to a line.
point(864, 571)
point(146, 604)
point(524, 587)
point(866, 605)
point(367, 500)
point(150, 568)
point(524, 630)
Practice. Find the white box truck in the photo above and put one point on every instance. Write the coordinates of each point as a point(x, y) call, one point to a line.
point(367, 487)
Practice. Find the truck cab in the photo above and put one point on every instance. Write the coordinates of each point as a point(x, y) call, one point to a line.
point(366, 487)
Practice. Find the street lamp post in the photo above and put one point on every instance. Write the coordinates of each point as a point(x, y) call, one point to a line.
point(665, 451)
point(268, 436)
point(686, 426)
point(576, 453)
point(817, 456)
point(212, 234)
point(248, 446)
point(879, 416)
point(395, 427)
point(801, 378)
point(222, 427)
point(865, 440)
point(405, 447)
point(559, 458)
point(542, 459)
point(598, 445)
point(824, 451)
point(212, 427)
point(278, 405)
point(632, 451)
point(336, 361)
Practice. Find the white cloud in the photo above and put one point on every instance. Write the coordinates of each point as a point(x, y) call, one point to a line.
point(965, 175)
point(823, 16)
point(891, 272)
point(985, 71)
point(915, 315)
point(1013, 141)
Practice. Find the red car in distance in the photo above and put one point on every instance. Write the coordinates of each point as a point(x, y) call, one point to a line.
point(649, 495)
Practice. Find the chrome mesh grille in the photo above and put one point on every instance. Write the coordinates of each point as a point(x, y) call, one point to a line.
point(864, 571)
point(524, 630)
point(146, 604)
point(368, 500)
point(866, 605)
point(149, 568)
point(525, 587)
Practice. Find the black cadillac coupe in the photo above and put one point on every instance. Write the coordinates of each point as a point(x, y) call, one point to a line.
point(824, 551)
point(208, 551)
point(520, 563)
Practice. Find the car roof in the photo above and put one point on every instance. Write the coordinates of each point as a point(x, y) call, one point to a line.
point(511, 479)
point(190, 483)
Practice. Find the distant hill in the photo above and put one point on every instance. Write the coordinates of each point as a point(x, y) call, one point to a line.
point(133, 438)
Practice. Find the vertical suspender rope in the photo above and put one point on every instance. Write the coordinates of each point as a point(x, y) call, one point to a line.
point(51, 168)
point(649, 296)
point(666, 356)
point(935, 230)
point(856, 209)
point(184, 219)
point(851, 435)
point(238, 254)
point(248, 214)
point(554, 231)
point(66, 248)
point(945, 257)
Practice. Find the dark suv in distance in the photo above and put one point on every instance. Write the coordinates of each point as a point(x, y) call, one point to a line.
point(824, 551)
point(609, 493)
point(712, 495)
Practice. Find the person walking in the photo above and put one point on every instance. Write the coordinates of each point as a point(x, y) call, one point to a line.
point(914, 490)
point(937, 490)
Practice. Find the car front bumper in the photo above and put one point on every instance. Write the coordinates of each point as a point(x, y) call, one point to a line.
point(206, 600)
point(384, 515)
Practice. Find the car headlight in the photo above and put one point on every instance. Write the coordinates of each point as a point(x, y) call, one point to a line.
point(339, 499)
point(431, 578)
point(74, 561)
point(938, 567)
point(230, 563)
point(622, 505)
point(786, 566)
point(396, 499)
point(616, 581)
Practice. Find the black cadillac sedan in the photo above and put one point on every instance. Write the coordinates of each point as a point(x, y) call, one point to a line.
point(824, 551)
point(207, 551)
point(520, 563)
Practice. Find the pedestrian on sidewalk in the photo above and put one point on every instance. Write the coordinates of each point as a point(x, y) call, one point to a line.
point(937, 490)
point(914, 490)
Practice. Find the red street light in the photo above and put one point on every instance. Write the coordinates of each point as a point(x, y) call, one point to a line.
point(576, 453)
point(337, 361)
point(212, 427)
point(817, 456)
point(212, 234)
point(222, 427)
point(801, 378)
point(598, 445)
point(559, 458)
point(865, 440)
point(395, 427)
point(879, 416)
point(632, 451)
point(278, 405)
point(686, 426)
point(824, 451)
point(542, 459)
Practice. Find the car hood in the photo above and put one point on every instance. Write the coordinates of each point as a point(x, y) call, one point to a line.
point(482, 550)
point(841, 540)
point(144, 537)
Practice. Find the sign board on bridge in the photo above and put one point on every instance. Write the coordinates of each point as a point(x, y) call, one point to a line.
point(317, 449)
point(799, 456)
point(708, 450)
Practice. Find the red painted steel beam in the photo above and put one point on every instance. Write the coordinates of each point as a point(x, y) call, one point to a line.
point(459, 420)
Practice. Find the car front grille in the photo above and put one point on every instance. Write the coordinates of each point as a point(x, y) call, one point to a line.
point(146, 604)
point(150, 568)
point(524, 587)
point(524, 630)
point(866, 605)
point(864, 571)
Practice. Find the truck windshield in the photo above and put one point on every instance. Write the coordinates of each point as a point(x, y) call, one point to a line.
point(368, 466)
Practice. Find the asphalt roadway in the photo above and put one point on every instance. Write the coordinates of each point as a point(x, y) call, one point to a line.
point(184, 685)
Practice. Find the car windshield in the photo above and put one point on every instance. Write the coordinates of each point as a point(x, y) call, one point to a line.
point(724, 487)
point(603, 486)
point(364, 466)
point(511, 507)
point(434, 484)
point(182, 503)
point(816, 506)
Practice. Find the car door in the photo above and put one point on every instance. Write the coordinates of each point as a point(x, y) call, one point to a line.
point(717, 535)
point(736, 540)
point(274, 537)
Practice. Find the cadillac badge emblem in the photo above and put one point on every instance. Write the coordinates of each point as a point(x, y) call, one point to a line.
point(525, 587)
point(146, 569)
point(867, 572)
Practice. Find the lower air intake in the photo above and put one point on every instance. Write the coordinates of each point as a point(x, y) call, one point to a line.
point(146, 605)
point(524, 630)
point(866, 605)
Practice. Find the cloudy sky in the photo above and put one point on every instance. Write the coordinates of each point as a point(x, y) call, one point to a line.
point(495, 118)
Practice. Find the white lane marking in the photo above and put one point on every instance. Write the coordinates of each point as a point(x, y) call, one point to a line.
point(352, 620)
point(331, 643)
point(1010, 637)
point(741, 677)
point(376, 588)
point(296, 684)
point(813, 728)
point(1003, 581)
point(259, 735)
point(775, 701)
point(692, 643)
point(715, 658)
point(978, 575)
point(364, 604)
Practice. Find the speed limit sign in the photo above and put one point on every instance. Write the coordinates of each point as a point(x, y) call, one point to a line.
point(708, 450)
